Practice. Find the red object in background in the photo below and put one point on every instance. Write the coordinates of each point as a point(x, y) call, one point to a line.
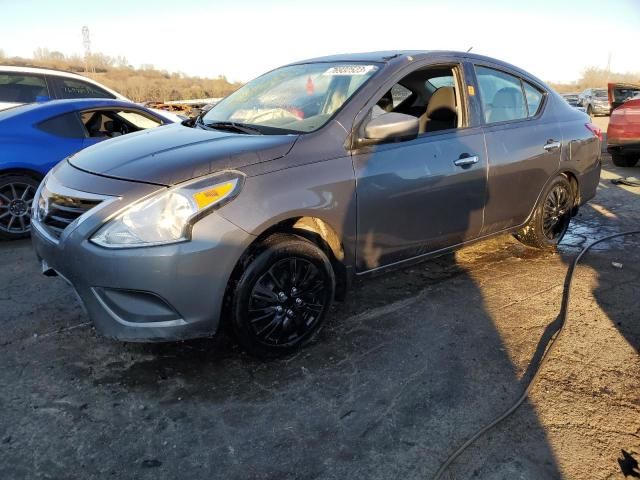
point(624, 124)
point(623, 134)
point(296, 112)
point(310, 86)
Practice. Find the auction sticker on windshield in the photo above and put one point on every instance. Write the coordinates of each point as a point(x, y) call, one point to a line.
point(350, 70)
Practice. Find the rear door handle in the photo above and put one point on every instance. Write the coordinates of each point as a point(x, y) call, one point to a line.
point(551, 145)
point(466, 160)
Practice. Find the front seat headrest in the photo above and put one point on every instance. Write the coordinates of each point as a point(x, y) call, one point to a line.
point(442, 105)
point(386, 102)
point(507, 105)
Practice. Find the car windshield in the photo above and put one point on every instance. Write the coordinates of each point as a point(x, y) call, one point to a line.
point(293, 99)
point(601, 93)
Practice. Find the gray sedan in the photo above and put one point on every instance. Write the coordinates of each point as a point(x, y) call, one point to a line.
point(261, 212)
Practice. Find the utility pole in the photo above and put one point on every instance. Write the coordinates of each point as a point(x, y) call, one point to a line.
point(86, 41)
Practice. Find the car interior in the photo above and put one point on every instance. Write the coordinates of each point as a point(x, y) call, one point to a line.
point(430, 94)
point(110, 123)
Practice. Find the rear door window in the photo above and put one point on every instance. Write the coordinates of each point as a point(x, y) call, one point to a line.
point(501, 95)
point(18, 87)
point(534, 98)
point(73, 88)
point(67, 125)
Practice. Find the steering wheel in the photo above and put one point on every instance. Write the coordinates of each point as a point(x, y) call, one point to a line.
point(124, 129)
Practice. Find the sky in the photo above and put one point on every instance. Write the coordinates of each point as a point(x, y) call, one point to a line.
point(553, 39)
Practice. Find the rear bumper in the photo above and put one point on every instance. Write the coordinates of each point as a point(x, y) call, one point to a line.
point(624, 146)
point(588, 182)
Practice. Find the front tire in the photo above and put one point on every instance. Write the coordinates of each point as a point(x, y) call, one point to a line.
point(621, 160)
point(282, 297)
point(551, 216)
point(16, 196)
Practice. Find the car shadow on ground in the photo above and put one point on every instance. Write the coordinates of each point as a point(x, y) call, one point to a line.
point(406, 369)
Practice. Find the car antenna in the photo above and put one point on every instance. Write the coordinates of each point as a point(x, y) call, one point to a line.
point(470, 48)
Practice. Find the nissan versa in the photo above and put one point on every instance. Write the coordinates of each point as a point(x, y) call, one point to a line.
point(261, 212)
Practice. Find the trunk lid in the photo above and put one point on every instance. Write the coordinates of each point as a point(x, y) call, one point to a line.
point(621, 92)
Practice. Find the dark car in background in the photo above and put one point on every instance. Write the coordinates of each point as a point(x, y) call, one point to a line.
point(261, 212)
point(572, 99)
point(595, 101)
point(36, 136)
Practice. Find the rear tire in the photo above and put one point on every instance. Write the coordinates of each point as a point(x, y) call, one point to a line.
point(282, 297)
point(551, 217)
point(590, 111)
point(16, 195)
point(621, 160)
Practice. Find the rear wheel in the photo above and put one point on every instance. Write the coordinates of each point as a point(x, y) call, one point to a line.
point(551, 216)
point(282, 297)
point(621, 160)
point(16, 196)
point(590, 110)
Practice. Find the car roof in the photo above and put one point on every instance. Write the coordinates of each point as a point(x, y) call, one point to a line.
point(40, 70)
point(55, 107)
point(58, 73)
point(388, 56)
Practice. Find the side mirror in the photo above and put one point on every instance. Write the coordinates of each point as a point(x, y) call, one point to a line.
point(389, 126)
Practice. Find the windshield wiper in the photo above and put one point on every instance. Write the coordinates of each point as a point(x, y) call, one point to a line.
point(238, 127)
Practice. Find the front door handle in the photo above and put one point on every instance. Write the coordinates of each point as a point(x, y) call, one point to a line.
point(551, 145)
point(465, 160)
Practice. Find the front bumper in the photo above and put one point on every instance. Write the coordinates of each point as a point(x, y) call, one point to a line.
point(160, 293)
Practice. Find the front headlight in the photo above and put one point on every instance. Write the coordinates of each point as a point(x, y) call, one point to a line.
point(167, 217)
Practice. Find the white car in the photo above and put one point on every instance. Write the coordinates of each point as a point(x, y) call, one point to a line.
point(19, 85)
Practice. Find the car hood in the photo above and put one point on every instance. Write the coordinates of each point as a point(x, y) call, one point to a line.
point(175, 153)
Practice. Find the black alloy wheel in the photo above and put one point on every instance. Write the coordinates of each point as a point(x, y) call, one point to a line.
point(551, 217)
point(16, 197)
point(286, 302)
point(556, 212)
point(282, 297)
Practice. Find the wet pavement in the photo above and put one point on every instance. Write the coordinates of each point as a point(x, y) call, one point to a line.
point(408, 367)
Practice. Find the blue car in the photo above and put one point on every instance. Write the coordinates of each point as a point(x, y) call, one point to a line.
point(35, 137)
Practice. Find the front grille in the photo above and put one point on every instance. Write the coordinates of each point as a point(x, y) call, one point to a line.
point(56, 212)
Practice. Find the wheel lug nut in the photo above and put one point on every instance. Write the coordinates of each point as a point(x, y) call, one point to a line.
point(290, 312)
point(294, 290)
point(298, 301)
point(279, 309)
point(282, 297)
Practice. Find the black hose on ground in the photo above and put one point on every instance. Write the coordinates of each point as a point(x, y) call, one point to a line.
point(562, 317)
point(628, 181)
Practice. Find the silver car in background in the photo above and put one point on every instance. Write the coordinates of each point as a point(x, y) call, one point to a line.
point(260, 213)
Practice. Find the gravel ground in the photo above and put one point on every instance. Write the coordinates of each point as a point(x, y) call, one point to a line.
point(408, 367)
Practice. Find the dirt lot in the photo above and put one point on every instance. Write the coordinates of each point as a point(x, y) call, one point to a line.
point(407, 369)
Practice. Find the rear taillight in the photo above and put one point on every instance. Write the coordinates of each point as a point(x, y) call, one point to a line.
point(596, 130)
